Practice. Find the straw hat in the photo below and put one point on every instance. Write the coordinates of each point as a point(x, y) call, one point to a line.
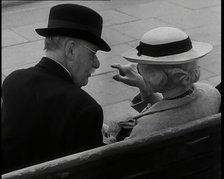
point(167, 45)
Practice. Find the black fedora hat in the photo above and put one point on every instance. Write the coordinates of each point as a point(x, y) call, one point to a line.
point(75, 21)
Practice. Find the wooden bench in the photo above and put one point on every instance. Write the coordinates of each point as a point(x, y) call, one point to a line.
point(189, 151)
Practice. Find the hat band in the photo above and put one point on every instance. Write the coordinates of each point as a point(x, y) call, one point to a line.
point(72, 25)
point(164, 49)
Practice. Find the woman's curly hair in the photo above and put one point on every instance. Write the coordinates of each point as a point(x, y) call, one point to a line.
point(167, 76)
point(184, 74)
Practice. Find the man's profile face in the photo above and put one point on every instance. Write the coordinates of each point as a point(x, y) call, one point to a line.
point(84, 63)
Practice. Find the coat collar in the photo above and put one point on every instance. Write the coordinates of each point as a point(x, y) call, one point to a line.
point(53, 67)
point(164, 105)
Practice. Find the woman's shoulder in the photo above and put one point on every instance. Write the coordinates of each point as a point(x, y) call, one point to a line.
point(207, 94)
point(206, 88)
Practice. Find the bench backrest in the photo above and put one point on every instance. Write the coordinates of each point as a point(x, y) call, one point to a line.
point(191, 150)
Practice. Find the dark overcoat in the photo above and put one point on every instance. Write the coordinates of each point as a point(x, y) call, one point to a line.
point(46, 116)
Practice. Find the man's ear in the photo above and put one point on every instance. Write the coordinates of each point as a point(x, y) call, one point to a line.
point(69, 48)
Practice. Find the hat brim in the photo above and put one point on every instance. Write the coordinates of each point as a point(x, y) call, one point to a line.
point(102, 45)
point(199, 49)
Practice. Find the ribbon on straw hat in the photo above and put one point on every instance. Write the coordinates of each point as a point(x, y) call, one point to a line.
point(167, 45)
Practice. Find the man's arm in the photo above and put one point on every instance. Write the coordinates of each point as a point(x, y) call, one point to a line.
point(83, 131)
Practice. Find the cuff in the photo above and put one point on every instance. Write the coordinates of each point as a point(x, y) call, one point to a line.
point(138, 104)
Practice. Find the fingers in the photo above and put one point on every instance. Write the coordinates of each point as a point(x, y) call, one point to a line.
point(119, 67)
point(116, 65)
point(119, 78)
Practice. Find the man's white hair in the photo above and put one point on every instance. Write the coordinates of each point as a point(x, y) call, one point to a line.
point(56, 42)
point(53, 43)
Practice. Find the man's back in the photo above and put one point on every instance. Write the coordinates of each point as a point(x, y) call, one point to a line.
point(45, 116)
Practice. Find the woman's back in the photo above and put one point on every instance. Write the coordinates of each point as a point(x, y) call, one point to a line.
point(203, 101)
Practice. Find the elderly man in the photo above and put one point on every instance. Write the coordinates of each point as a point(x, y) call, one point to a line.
point(45, 112)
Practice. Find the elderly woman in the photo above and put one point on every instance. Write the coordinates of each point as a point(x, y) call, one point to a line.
point(166, 74)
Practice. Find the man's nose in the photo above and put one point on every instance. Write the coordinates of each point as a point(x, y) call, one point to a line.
point(96, 62)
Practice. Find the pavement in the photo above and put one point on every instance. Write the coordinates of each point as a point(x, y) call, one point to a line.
point(125, 21)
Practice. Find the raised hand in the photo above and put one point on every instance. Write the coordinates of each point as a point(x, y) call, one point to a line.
point(128, 74)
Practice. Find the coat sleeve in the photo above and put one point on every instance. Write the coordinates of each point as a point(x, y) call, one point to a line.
point(83, 130)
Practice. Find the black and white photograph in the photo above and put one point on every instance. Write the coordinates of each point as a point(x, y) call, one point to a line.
point(111, 89)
